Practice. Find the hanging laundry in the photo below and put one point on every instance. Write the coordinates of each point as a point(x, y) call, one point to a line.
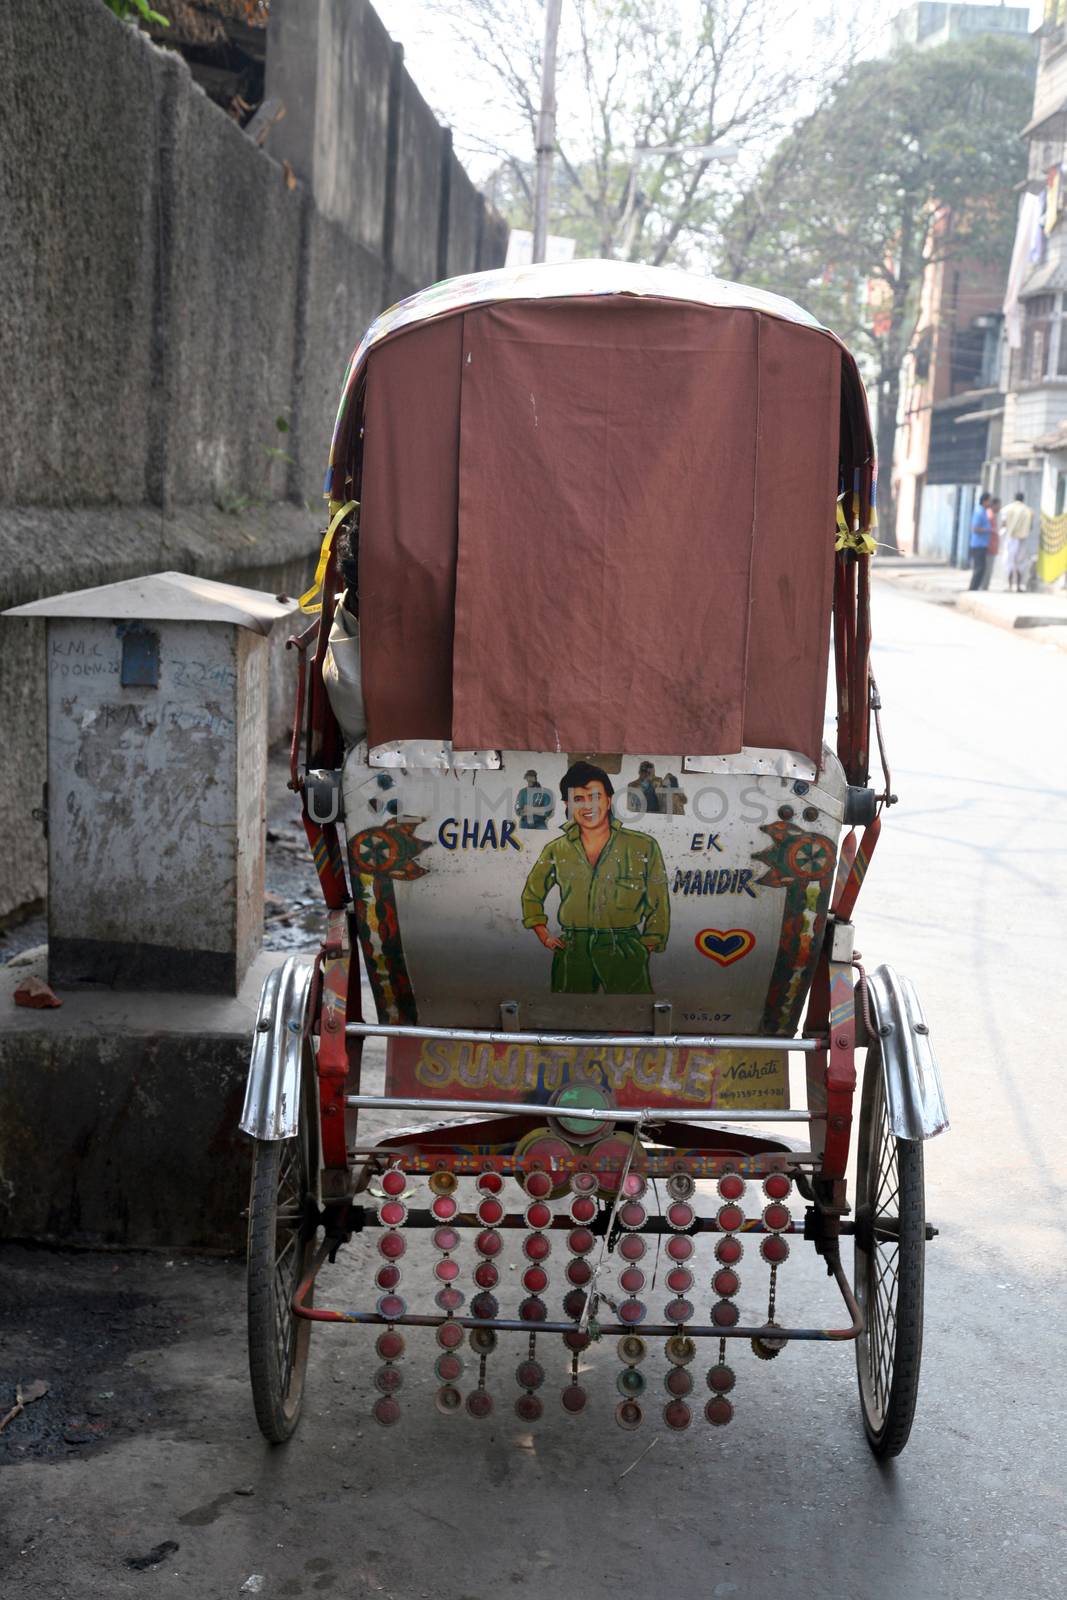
point(1052, 199)
point(1028, 223)
point(1037, 238)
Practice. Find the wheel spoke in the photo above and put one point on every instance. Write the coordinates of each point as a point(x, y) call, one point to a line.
point(282, 1318)
point(882, 1190)
point(888, 1184)
point(887, 1323)
point(285, 1261)
point(874, 1323)
point(282, 1224)
point(884, 1270)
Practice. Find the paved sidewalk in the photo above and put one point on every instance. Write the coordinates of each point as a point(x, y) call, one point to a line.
point(934, 580)
point(1042, 616)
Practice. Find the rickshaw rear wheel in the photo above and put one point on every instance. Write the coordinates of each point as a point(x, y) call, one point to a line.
point(282, 1223)
point(890, 1250)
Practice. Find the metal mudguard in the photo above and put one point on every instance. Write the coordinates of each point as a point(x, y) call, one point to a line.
point(272, 1096)
point(914, 1097)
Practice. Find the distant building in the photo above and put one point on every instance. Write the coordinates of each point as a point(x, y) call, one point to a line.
point(932, 22)
point(951, 407)
point(1033, 453)
point(950, 401)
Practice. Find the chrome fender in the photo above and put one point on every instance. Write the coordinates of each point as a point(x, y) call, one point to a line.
point(915, 1099)
point(272, 1094)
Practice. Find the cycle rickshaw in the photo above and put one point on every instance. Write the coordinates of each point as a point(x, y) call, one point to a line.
point(559, 747)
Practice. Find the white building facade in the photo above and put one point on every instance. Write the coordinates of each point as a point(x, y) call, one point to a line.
point(1033, 455)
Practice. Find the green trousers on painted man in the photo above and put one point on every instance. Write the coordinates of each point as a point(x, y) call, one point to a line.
point(601, 960)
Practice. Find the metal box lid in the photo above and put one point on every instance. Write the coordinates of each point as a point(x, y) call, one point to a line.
point(165, 597)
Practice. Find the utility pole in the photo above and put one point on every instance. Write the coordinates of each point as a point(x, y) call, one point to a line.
point(546, 129)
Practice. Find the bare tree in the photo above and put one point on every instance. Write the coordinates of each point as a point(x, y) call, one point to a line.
point(647, 89)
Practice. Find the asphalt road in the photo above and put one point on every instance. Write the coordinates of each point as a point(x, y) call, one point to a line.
point(968, 894)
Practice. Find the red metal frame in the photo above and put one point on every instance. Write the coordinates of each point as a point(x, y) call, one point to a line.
point(333, 1064)
point(846, 896)
point(852, 651)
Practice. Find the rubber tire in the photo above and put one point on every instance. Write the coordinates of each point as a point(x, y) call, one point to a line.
point(277, 1401)
point(888, 1427)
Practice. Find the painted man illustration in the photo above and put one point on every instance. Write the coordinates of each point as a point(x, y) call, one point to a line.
point(614, 909)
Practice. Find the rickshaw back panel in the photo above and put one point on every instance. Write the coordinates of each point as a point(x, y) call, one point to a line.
point(703, 913)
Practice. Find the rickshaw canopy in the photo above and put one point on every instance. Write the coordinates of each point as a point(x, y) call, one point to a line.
point(597, 511)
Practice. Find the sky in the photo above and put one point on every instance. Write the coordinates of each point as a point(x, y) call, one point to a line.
point(449, 80)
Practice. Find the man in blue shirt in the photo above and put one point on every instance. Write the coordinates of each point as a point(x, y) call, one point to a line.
point(535, 804)
point(981, 533)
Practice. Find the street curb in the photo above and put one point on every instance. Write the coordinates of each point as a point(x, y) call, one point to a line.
point(994, 609)
point(1002, 610)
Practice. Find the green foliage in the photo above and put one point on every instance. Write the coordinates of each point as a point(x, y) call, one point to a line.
point(910, 159)
point(131, 10)
point(232, 502)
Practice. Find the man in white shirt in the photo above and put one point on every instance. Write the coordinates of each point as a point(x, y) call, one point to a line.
point(1017, 522)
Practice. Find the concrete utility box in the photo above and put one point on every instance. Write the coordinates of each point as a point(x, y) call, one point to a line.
point(157, 741)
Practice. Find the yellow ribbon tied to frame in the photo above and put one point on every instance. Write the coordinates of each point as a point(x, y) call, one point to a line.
point(846, 538)
point(308, 603)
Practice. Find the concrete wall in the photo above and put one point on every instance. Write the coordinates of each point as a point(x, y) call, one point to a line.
point(118, 1116)
point(1039, 410)
point(418, 193)
point(235, 234)
point(348, 101)
point(329, 62)
point(171, 292)
point(1050, 91)
point(937, 521)
point(78, 196)
point(466, 219)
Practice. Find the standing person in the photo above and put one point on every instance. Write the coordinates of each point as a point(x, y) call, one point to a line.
point(674, 801)
point(981, 529)
point(1018, 520)
point(643, 791)
point(534, 804)
point(994, 542)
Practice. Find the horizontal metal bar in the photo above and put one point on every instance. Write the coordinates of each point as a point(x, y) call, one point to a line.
point(703, 1167)
point(418, 1218)
point(647, 1330)
point(622, 1041)
point(653, 1114)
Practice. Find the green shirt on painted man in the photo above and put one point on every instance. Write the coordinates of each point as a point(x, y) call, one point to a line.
point(612, 911)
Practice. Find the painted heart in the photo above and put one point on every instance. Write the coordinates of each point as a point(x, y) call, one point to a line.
point(725, 947)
